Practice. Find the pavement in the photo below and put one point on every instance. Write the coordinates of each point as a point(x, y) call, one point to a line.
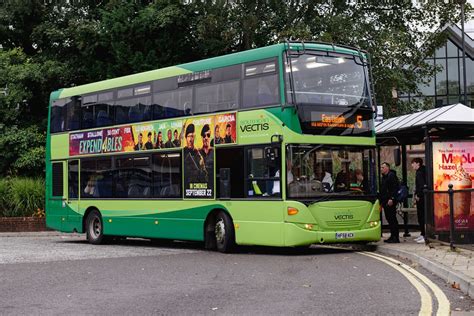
point(455, 267)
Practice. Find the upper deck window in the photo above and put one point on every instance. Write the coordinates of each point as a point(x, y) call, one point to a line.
point(97, 110)
point(261, 85)
point(327, 80)
point(264, 68)
point(107, 96)
point(57, 118)
point(172, 103)
point(142, 90)
point(217, 97)
point(65, 115)
point(125, 93)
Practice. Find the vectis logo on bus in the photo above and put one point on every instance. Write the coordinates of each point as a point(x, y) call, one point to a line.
point(254, 125)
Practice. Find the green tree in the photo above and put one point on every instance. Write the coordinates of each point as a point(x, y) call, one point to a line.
point(48, 45)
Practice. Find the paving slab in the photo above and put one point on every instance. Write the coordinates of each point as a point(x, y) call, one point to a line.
point(452, 266)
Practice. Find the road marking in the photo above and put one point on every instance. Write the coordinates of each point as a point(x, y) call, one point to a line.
point(426, 302)
point(443, 302)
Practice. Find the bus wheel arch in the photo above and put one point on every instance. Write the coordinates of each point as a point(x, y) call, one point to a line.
point(219, 231)
point(93, 226)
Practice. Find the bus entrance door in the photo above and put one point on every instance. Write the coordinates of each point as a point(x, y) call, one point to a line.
point(73, 219)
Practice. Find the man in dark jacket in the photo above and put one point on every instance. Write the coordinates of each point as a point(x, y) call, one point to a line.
point(388, 192)
point(420, 181)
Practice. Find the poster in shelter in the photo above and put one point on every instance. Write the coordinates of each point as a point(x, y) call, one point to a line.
point(453, 163)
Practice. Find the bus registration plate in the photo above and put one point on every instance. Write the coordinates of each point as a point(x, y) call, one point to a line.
point(344, 235)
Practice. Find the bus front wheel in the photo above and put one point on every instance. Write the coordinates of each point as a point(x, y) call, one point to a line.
point(224, 232)
point(94, 228)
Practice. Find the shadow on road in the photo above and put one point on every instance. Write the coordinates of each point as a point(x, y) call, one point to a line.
point(315, 249)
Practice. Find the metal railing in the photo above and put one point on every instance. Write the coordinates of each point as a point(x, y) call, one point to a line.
point(450, 193)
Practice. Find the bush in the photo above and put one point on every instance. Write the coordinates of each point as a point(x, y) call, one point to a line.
point(21, 197)
point(4, 194)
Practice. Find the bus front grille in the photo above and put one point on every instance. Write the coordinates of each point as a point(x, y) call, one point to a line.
point(347, 223)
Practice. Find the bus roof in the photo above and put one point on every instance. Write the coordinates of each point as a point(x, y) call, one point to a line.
point(205, 64)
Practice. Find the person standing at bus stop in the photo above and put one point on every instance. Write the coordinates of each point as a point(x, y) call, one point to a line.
point(387, 194)
point(420, 181)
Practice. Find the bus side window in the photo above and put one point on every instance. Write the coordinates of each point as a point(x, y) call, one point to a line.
point(167, 175)
point(261, 91)
point(217, 97)
point(263, 172)
point(73, 178)
point(233, 159)
point(73, 114)
point(87, 116)
point(57, 121)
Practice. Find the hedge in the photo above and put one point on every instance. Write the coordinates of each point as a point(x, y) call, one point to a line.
point(21, 197)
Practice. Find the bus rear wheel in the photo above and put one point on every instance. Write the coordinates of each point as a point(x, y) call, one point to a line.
point(224, 233)
point(94, 228)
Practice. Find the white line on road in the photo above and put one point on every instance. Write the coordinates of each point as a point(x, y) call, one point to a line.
point(418, 280)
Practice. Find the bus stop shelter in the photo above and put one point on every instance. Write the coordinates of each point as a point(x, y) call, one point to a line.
point(448, 137)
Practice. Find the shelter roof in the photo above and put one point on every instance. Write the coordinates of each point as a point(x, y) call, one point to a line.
point(451, 120)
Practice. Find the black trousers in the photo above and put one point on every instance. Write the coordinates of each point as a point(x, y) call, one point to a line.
point(420, 210)
point(391, 216)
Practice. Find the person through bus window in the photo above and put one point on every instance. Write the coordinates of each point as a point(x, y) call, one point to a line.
point(90, 189)
point(343, 177)
point(358, 182)
point(325, 177)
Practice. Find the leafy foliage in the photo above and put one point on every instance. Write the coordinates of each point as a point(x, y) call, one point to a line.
point(46, 45)
point(22, 151)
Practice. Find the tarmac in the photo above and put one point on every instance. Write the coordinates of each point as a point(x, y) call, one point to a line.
point(455, 267)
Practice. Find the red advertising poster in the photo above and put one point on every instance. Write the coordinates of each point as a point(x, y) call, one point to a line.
point(101, 141)
point(453, 163)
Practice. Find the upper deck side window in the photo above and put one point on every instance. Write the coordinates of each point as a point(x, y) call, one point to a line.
point(261, 84)
point(245, 85)
point(65, 115)
point(97, 110)
point(332, 80)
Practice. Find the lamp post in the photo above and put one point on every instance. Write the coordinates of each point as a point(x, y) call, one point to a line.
point(462, 2)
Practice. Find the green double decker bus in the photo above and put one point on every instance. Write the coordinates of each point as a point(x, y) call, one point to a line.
point(272, 146)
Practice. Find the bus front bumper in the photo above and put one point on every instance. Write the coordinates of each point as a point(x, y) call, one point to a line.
point(298, 236)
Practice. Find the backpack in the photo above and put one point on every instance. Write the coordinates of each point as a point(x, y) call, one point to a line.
point(402, 193)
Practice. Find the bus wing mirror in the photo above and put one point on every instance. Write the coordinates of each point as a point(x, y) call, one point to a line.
point(276, 139)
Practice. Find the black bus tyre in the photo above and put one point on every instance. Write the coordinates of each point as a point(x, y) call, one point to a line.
point(95, 228)
point(224, 233)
